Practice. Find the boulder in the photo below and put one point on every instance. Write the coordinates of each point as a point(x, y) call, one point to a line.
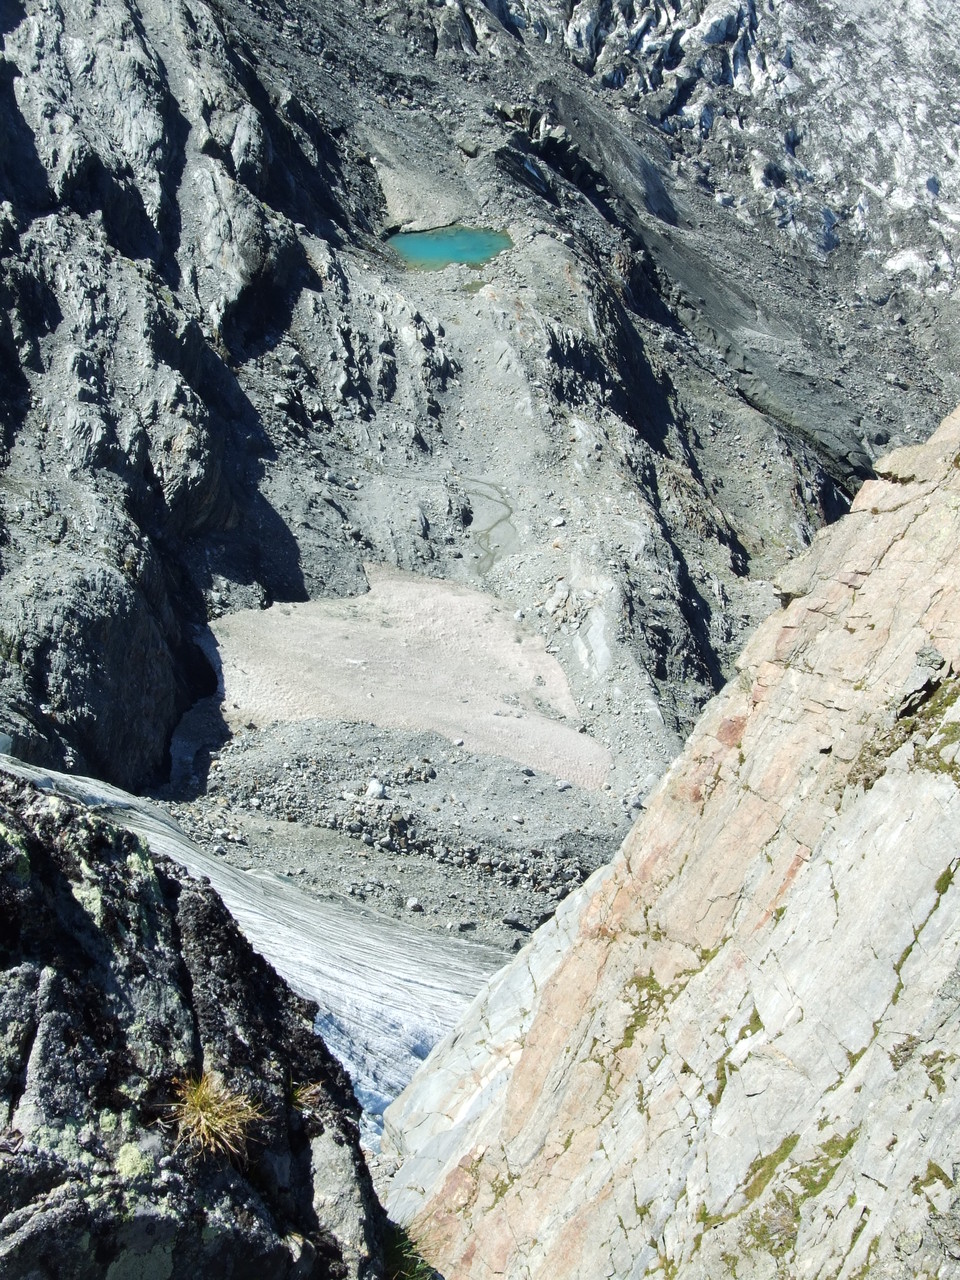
point(166, 1108)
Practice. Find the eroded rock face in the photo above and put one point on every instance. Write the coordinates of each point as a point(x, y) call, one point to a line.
point(736, 1048)
point(219, 389)
point(121, 975)
point(801, 111)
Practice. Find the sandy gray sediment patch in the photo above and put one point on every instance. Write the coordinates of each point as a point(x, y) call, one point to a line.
point(414, 653)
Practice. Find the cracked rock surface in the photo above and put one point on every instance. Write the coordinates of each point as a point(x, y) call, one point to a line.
point(731, 287)
point(738, 1042)
point(120, 975)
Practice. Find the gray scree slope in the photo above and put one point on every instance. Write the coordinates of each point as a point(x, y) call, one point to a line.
point(731, 285)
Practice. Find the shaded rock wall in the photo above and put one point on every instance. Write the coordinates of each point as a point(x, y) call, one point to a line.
point(133, 231)
point(734, 1052)
point(121, 975)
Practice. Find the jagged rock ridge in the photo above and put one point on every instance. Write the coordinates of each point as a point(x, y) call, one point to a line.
point(121, 975)
point(220, 390)
point(735, 1051)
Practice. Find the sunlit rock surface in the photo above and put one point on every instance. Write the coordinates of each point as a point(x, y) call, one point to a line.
point(736, 1050)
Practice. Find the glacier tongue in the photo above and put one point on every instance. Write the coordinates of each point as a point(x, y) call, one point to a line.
point(386, 993)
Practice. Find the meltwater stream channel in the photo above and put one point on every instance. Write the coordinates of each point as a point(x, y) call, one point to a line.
point(492, 527)
point(386, 993)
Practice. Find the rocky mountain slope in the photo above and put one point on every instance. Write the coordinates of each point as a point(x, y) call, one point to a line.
point(734, 1052)
point(384, 993)
point(123, 984)
point(220, 389)
point(730, 287)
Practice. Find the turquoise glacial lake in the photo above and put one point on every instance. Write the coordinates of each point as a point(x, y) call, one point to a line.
point(433, 250)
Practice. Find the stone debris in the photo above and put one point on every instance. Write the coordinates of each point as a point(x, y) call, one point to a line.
point(440, 834)
point(222, 397)
point(221, 393)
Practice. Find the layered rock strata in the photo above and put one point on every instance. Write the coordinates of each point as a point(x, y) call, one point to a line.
point(735, 1050)
point(123, 979)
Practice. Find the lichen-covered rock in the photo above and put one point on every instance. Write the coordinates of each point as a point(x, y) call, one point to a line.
point(736, 1050)
point(120, 977)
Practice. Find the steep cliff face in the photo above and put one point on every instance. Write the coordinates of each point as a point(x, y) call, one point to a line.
point(220, 389)
point(131, 233)
point(735, 1051)
point(123, 984)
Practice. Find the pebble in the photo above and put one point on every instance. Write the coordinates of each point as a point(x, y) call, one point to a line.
point(414, 904)
point(563, 785)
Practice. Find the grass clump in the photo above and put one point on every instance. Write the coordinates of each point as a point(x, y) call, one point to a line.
point(723, 1075)
point(213, 1119)
point(934, 1174)
point(923, 714)
point(815, 1176)
point(309, 1099)
point(775, 1231)
point(646, 995)
point(501, 1185)
point(764, 1167)
point(934, 1065)
point(403, 1262)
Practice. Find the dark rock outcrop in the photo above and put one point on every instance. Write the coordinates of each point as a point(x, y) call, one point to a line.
point(120, 977)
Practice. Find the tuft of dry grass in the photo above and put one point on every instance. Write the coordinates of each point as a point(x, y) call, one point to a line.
point(402, 1259)
point(213, 1119)
point(308, 1098)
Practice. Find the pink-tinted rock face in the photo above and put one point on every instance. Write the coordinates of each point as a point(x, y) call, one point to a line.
point(735, 1051)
